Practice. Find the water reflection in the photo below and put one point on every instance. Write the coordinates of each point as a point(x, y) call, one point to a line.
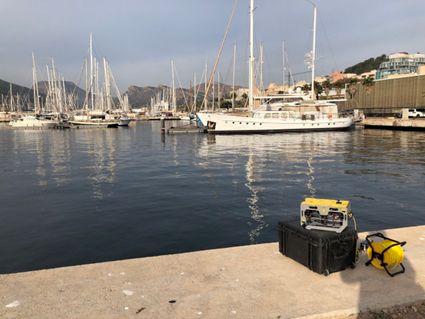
point(286, 161)
point(257, 222)
point(310, 177)
point(101, 148)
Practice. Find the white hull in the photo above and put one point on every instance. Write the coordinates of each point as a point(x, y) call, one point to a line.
point(222, 123)
point(31, 122)
point(124, 121)
point(94, 123)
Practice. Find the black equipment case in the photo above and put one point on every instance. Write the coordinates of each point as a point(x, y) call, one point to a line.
point(321, 251)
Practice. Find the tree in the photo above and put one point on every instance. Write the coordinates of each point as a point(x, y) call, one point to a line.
point(339, 85)
point(318, 89)
point(306, 88)
point(366, 65)
point(352, 87)
point(226, 105)
point(327, 86)
point(368, 84)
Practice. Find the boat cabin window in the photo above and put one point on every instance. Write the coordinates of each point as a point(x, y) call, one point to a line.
point(275, 115)
point(284, 115)
point(267, 115)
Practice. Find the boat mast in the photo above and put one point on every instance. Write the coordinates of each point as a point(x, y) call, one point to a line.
point(11, 98)
point(261, 68)
point(174, 101)
point(213, 93)
point(313, 52)
point(206, 87)
point(218, 89)
point(49, 91)
point(86, 100)
point(233, 77)
point(107, 84)
point(65, 102)
point(251, 56)
point(96, 84)
point(91, 71)
point(35, 86)
point(283, 64)
point(194, 93)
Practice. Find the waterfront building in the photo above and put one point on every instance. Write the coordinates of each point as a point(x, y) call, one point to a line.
point(400, 63)
point(370, 74)
point(339, 75)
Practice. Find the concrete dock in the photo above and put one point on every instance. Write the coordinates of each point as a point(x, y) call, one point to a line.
point(394, 123)
point(242, 282)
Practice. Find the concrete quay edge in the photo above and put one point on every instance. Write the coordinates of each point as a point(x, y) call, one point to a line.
point(253, 281)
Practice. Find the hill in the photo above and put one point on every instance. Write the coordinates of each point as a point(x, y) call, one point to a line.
point(366, 65)
point(70, 88)
point(141, 96)
point(16, 89)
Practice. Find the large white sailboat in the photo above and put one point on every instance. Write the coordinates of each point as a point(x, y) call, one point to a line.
point(93, 114)
point(310, 115)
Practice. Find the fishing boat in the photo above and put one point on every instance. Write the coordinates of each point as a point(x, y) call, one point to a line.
point(293, 116)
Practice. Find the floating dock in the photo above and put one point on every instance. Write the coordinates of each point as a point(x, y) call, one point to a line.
point(191, 128)
point(253, 281)
point(394, 123)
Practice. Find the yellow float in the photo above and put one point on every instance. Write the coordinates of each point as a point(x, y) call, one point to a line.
point(385, 254)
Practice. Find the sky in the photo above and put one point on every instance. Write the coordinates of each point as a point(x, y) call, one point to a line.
point(140, 37)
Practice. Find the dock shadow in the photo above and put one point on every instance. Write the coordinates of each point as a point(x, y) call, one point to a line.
point(378, 290)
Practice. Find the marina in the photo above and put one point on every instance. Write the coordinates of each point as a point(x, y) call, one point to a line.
point(218, 159)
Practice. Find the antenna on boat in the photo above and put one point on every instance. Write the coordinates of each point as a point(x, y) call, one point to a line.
point(313, 53)
point(233, 77)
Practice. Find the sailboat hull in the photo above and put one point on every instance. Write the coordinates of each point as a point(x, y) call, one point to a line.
point(104, 124)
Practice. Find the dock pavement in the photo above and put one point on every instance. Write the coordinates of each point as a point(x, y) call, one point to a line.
point(253, 281)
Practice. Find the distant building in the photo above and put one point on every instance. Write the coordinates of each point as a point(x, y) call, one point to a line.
point(401, 63)
point(274, 89)
point(339, 75)
point(336, 76)
point(370, 74)
point(240, 93)
point(320, 79)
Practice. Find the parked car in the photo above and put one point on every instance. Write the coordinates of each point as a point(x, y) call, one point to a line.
point(416, 113)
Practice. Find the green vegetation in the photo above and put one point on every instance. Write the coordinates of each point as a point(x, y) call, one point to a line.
point(366, 65)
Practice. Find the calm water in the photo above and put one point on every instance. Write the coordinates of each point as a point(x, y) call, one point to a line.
point(81, 196)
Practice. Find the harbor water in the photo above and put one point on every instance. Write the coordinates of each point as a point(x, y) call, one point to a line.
point(80, 196)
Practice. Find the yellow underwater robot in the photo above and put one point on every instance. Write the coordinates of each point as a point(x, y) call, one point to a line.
point(325, 214)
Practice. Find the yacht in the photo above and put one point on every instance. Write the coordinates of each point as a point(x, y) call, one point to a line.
point(313, 117)
point(295, 114)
